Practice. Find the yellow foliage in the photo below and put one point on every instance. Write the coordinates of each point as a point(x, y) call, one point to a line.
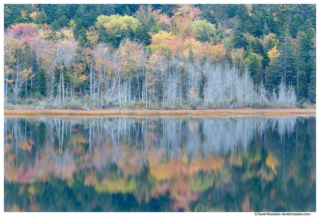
point(31, 190)
point(213, 51)
point(192, 43)
point(68, 32)
point(25, 73)
point(268, 176)
point(272, 162)
point(33, 15)
point(14, 208)
point(70, 182)
point(236, 161)
point(163, 171)
point(192, 126)
point(193, 93)
point(161, 36)
point(273, 53)
point(72, 23)
point(23, 15)
point(249, 8)
point(116, 186)
point(213, 163)
point(21, 190)
point(92, 35)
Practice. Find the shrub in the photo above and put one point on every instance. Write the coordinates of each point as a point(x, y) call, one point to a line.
point(139, 105)
point(193, 105)
point(30, 101)
point(36, 95)
point(73, 105)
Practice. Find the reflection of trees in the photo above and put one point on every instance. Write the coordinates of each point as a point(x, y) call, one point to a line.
point(199, 164)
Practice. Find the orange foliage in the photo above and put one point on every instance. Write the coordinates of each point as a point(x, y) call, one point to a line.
point(91, 179)
point(246, 204)
point(25, 145)
point(7, 148)
point(8, 137)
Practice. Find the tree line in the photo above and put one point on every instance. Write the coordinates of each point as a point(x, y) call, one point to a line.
point(161, 56)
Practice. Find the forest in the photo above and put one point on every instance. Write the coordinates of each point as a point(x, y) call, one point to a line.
point(94, 56)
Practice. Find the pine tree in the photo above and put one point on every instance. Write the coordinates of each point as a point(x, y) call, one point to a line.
point(266, 29)
point(238, 39)
point(312, 87)
point(55, 25)
point(265, 60)
point(108, 9)
point(286, 58)
point(63, 21)
point(52, 36)
point(128, 11)
point(42, 85)
point(143, 35)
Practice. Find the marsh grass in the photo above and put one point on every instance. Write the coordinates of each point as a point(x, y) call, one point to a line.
point(160, 113)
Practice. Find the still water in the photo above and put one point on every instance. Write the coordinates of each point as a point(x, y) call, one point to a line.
point(160, 164)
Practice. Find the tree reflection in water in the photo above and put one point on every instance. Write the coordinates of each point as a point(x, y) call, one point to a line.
point(160, 164)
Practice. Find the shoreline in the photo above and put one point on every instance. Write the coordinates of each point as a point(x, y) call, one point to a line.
point(159, 113)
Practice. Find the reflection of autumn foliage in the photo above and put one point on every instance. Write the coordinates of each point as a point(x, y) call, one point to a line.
point(7, 148)
point(181, 175)
point(25, 145)
point(66, 167)
point(246, 204)
point(192, 126)
point(114, 164)
point(118, 185)
point(14, 208)
point(236, 160)
point(272, 162)
point(91, 179)
point(8, 137)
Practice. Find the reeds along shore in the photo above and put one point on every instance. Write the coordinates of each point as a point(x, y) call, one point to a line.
point(161, 113)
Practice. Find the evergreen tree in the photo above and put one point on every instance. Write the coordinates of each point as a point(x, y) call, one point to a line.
point(128, 11)
point(71, 10)
point(107, 9)
point(52, 36)
point(256, 46)
point(286, 58)
point(42, 85)
point(255, 68)
point(41, 17)
point(266, 29)
point(239, 40)
point(63, 21)
point(312, 87)
point(55, 25)
point(265, 60)
point(142, 35)
point(245, 19)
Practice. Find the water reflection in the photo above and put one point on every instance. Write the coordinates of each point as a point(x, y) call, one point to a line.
point(145, 164)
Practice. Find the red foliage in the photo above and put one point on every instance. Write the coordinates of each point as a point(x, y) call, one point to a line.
point(23, 30)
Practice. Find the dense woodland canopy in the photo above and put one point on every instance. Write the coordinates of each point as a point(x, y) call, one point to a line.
point(160, 56)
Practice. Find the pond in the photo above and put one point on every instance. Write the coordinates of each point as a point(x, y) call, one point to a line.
point(160, 164)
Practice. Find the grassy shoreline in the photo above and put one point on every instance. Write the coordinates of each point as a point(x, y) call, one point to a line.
point(158, 113)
